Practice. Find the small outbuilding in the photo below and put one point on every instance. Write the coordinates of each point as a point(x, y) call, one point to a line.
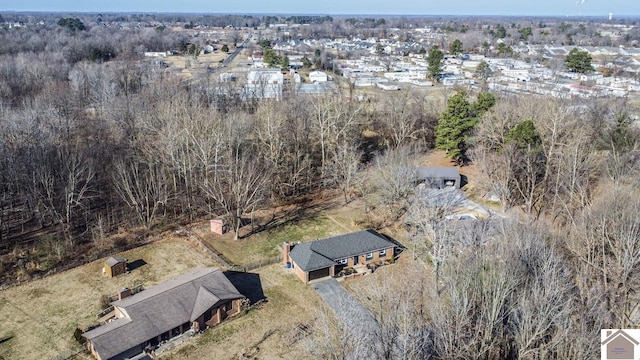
point(438, 177)
point(219, 226)
point(114, 266)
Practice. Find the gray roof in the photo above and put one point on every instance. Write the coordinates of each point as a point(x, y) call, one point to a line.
point(323, 253)
point(437, 172)
point(114, 260)
point(161, 308)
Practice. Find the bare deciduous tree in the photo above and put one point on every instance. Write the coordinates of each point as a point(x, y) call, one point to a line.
point(144, 187)
point(239, 185)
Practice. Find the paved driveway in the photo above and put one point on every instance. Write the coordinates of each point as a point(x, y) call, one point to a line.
point(348, 309)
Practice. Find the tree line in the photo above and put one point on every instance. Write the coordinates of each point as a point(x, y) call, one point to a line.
point(90, 148)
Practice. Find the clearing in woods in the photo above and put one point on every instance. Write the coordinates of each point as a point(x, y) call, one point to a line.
point(300, 222)
point(39, 318)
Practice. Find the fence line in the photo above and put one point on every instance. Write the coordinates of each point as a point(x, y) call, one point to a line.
point(226, 264)
point(257, 264)
point(192, 237)
point(204, 247)
point(76, 263)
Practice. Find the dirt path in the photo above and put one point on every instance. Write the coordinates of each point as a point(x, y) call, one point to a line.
point(344, 227)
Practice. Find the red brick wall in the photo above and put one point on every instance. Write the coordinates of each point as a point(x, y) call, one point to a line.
point(299, 273)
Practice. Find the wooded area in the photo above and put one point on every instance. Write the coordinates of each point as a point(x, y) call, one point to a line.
point(93, 146)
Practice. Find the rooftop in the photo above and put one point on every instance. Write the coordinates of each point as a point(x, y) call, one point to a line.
point(115, 260)
point(161, 308)
point(437, 172)
point(323, 253)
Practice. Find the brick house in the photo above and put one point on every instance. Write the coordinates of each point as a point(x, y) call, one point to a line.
point(201, 298)
point(326, 257)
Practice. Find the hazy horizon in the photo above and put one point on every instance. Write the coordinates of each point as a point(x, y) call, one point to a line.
point(550, 8)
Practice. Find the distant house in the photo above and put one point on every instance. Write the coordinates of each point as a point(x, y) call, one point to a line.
point(318, 77)
point(264, 84)
point(114, 266)
point(326, 257)
point(193, 301)
point(438, 177)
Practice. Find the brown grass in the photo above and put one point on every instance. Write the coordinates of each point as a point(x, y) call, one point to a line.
point(42, 315)
point(179, 63)
point(292, 224)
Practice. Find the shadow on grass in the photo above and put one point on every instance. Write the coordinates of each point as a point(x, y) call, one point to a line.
point(136, 264)
point(464, 180)
point(248, 284)
point(304, 211)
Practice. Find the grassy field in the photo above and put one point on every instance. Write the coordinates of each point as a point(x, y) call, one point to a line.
point(39, 318)
point(188, 67)
point(309, 224)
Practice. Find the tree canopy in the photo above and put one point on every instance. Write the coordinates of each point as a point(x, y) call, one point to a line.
point(456, 47)
point(435, 62)
point(483, 70)
point(578, 61)
point(71, 23)
point(458, 120)
point(524, 135)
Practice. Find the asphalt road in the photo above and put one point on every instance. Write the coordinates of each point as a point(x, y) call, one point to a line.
point(235, 52)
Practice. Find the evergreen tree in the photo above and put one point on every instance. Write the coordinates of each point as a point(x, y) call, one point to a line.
point(500, 32)
point(484, 102)
point(578, 61)
point(483, 70)
point(72, 23)
point(456, 122)
point(453, 125)
point(524, 136)
point(435, 63)
point(456, 47)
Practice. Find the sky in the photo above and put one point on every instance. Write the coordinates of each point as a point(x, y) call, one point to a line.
point(620, 8)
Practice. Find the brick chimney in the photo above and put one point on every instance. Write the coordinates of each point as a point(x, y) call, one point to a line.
point(286, 249)
point(123, 293)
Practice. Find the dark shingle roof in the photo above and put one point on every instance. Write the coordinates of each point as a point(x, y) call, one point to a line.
point(323, 253)
point(307, 259)
point(161, 308)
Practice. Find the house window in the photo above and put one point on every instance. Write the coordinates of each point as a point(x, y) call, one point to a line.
point(343, 261)
point(228, 306)
point(383, 252)
point(369, 256)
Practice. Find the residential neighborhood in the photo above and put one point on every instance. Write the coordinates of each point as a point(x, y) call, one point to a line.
point(198, 181)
